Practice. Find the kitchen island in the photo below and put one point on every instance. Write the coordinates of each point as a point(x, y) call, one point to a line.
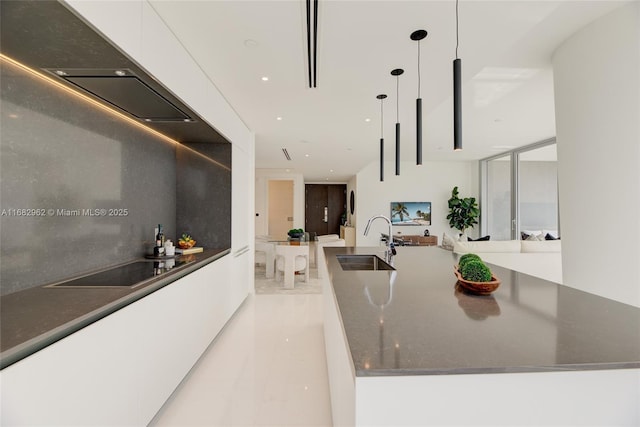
point(407, 347)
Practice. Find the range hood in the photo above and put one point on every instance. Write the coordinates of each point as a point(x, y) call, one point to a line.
point(123, 89)
point(46, 35)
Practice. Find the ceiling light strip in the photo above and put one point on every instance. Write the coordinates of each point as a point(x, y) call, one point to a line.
point(309, 41)
point(312, 42)
point(315, 42)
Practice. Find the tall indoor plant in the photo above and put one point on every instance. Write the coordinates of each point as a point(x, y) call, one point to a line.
point(463, 213)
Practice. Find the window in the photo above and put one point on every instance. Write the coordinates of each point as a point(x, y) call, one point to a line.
point(519, 192)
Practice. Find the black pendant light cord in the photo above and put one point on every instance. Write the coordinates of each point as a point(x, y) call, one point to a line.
point(381, 120)
point(419, 69)
point(397, 98)
point(457, 41)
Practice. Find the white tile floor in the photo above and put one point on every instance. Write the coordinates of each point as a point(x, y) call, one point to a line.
point(266, 368)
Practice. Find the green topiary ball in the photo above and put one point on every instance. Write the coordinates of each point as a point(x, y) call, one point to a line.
point(466, 258)
point(475, 271)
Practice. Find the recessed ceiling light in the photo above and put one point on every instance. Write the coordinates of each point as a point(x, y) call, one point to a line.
point(120, 73)
point(306, 155)
point(250, 43)
point(331, 170)
point(327, 179)
point(367, 120)
point(287, 170)
point(265, 78)
point(278, 118)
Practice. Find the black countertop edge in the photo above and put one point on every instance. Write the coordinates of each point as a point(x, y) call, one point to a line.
point(363, 373)
point(36, 344)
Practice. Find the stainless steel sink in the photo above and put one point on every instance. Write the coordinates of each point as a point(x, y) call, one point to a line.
point(362, 262)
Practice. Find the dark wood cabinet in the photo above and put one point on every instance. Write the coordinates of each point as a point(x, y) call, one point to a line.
point(419, 240)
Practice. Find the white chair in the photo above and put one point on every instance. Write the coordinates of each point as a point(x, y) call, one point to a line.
point(268, 249)
point(321, 240)
point(320, 259)
point(289, 259)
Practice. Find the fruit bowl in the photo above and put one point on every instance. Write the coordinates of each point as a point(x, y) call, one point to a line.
point(186, 245)
point(186, 242)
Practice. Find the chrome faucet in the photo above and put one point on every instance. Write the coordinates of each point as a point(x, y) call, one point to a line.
point(391, 249)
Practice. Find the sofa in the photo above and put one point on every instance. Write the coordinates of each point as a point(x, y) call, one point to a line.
point(537, 258)
point(507, 246)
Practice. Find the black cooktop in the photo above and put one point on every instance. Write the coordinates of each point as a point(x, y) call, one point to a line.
point(126, 275)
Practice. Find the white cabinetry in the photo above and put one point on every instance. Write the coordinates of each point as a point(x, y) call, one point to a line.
point(121, 369)
point(242, 202)
point(348, 234)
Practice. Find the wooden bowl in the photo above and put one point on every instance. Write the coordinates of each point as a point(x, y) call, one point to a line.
point(477, 288)
point(189, 245)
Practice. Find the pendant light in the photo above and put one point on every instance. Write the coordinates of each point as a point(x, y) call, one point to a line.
point(457, 95)
point(381, 97)
point(417, 36)
point(397, 72)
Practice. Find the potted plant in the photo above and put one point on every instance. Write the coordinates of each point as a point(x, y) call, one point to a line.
point(463, 213)
point(296, 233)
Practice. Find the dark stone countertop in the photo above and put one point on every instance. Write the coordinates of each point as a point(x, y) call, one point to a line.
point(37, 317)
point(422, 325)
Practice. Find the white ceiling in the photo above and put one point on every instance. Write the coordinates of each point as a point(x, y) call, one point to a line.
point(505, 46)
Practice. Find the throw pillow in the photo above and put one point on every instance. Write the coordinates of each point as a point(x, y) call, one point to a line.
point(480, 239)
point(550, 237)
point(537, 238)
point(447, 242)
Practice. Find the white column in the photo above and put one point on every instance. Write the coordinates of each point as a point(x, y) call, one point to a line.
point(597, 103)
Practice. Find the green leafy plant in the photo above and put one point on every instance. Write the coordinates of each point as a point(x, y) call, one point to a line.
point(475, 271)
point(295, 231)
point(466, 258)
point(463, 213)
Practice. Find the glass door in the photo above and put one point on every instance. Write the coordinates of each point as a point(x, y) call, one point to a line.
point(497, 207)
point(538, 192)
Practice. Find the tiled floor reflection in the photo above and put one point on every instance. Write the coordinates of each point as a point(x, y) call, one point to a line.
point(267, 368)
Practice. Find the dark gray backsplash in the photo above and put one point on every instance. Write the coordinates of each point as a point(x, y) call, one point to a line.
point(204, 193)
point(62, 155)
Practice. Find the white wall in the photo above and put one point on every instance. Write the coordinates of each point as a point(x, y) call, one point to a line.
point(262, 202)
point(597, 103)
point(431, 182)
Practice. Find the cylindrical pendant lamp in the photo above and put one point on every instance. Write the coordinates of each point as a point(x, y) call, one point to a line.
point(381, 97)
point(417, 36)
point(457, 104)
point(457, 95)
point(397, 72)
